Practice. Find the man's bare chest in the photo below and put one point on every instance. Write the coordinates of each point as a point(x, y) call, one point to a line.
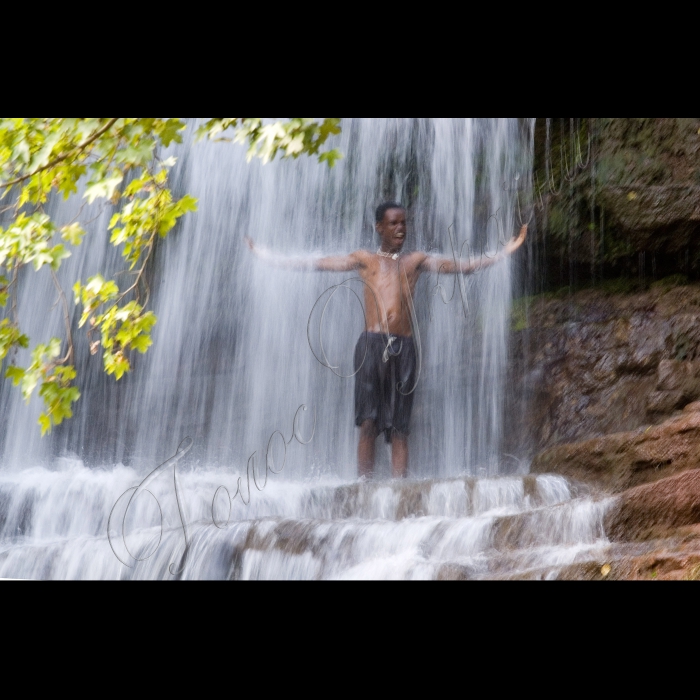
point(390, 274)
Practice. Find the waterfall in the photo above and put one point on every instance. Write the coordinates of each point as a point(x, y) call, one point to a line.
point(231, 361)
point(231, 364)
point(53, 525)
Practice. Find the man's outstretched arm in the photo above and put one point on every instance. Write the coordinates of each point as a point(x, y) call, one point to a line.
point(450, 266)
point(333, 263)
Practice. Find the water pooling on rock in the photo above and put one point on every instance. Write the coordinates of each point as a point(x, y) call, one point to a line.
point(54, 526)
point(231, 364)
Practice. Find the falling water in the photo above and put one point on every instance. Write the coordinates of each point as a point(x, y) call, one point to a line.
point(54, 525)
point(232, 362)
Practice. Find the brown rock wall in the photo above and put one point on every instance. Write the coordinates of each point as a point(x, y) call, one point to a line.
point(620, 461)
point(638, 193)
point(594, 364)
point(654, 510)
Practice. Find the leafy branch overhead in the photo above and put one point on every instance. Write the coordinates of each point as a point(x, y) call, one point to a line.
point(117, 162)
point(292, 137)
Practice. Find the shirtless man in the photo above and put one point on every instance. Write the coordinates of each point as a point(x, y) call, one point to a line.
point(385, 357)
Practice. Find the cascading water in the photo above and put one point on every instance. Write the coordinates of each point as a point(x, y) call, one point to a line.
point(232, 363)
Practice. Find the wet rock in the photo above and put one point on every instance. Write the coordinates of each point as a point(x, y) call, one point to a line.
point(455, 572)
point(647, 186)
point(662, 565)
point(627, 360)
point(620, 461)
point(346, 500)
point(664, 401)
point(412, 502)
point(678, 384)
point(670, 375)
point(652, 510)
point(643, 208)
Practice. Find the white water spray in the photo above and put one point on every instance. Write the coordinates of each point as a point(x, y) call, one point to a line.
point(231, 364)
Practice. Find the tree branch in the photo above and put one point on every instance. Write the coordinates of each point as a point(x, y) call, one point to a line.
point(63, 157)
point(66, 319)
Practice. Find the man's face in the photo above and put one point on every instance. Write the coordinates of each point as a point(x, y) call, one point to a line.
point(392, 229)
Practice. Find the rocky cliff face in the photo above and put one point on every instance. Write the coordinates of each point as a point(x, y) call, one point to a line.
point(605, 391)
point(605, 363)
point(596, 363)
point(635, 206)
point(615, 217)
point(624, 460)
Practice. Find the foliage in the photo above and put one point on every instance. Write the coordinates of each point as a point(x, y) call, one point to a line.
point(519, 313)
point(117, 161)
point(666, 283)
point(626, 201)
point(55, 380)
point(293, 138)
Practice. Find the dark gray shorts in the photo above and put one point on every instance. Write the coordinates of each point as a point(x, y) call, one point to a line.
point(383, 382)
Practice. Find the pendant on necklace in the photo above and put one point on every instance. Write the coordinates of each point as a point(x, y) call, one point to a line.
point(393, 256)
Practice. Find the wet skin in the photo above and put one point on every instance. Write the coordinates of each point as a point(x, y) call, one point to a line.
point(390, 286)
point(390, 283)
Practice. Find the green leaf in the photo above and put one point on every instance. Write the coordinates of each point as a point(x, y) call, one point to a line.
point(103, 188)
point(57, 254)
point(73, 233)
point(45, 424)
point(16, 374)
point(141, 343)
point(330, 157)
point(52, 156)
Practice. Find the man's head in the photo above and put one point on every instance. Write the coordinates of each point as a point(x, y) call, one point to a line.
point(391, 225)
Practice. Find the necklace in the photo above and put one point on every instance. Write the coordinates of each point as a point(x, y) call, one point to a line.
point(393, 256)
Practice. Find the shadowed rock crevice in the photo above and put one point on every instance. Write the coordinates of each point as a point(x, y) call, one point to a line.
point(632, 209)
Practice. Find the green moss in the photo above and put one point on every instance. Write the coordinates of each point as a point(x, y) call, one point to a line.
point(620, 285)
point(670, 281)
point(518, 314)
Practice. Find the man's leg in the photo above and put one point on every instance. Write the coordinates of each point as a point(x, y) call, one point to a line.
point(404, 382)
point(365, 449)
point(399, 455)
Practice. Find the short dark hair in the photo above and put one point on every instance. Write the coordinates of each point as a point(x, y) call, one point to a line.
point(383, 208)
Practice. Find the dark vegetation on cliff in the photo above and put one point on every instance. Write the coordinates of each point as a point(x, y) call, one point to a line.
point(606, 337)
point(632, 212)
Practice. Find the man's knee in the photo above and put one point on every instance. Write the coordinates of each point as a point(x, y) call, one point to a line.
point(368, 429)
point(399, 436)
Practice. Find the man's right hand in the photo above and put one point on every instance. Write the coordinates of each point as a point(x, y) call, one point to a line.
point(515, 243)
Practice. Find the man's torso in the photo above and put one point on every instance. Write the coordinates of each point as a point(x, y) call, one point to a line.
point(389, 291)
